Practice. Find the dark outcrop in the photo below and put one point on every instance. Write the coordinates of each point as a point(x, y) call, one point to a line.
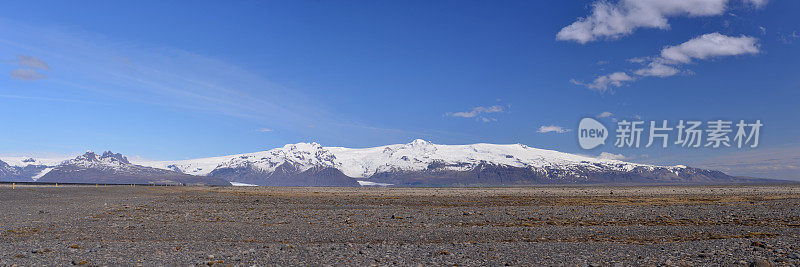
point(286, 174)
point(10, 173)
point(486, 174)
point(110, 168)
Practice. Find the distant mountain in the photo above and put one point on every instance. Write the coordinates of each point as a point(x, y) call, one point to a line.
point(23, 170)
point(419, 163)
point(422, 163)
point(293, 165)
point(111, 168)
point(7, 172)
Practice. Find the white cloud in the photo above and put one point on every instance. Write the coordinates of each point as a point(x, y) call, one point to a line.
point(606, 155)
point(552, 129)
point(265, 130)
point(706, 46)
point(28, 71)
point(657, 69)
point(476, 112)
point(26, 74)
point(32, 62)
point(788, 38)
point(614, 20)
point(603, 82)
point(638, 60)
point(757, 3)
point(710, 45)
point(605, 114)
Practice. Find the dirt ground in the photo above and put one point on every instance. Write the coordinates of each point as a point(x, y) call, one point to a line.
point(575, 226)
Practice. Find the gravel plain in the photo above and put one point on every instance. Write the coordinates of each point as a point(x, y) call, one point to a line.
point(529, 226)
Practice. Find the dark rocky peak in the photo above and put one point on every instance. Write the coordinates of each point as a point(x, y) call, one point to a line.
point(88, 156)
point(108, 157)
point(112, 157)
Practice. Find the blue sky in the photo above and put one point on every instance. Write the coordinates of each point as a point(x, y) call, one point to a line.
point(173, 79)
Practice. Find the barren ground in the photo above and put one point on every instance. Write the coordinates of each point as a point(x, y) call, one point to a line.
point(656, 225)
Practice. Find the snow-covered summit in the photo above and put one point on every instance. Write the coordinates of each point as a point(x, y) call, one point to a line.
point(108, 158)
point(417, 155)
point(302, 156)
point(417, 163)
point(29, 161)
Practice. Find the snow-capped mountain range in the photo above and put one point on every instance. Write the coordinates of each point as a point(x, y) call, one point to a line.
point(418, 163)
point(25, 168)
point(423, 163)
point(106, 168)
point(365, 162)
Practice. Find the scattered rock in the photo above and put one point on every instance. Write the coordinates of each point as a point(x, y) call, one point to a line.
point(761, 263)
point(782, 260)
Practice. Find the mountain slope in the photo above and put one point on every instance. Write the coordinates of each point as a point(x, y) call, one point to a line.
point(110, 168)
point(422, 163)
point(22, 170)
point(303, 164)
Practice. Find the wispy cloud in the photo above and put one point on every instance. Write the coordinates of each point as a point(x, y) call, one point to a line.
point(788, 38)
point(671, 58)
point(32, 62)
point(27, 75)
point(708, 46)
point(757, 3)
point(479, 113)
point(552, 129)
point(605, 114)
point(477, 110)
point(28, 68)
point(49, 99)
point(606, 155)
point(657, 69)
point(113, 71)
point(614, 20)
point(265, 130)
point(604, 82)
